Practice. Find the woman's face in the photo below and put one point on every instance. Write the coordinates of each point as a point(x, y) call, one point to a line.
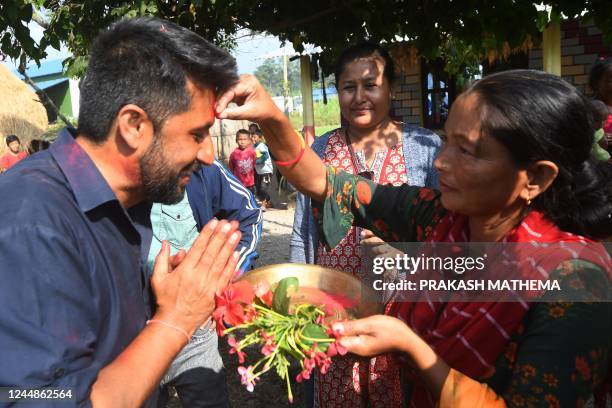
point(477, 174)
point(364, 92)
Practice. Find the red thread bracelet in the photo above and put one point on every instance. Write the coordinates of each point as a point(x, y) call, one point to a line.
point(294, 161)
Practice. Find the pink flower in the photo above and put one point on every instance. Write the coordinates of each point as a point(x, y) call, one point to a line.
point(303, 375)
point(247, 378)
point(336, 348)
point(235, 349)
point(269, 345)
point(268, 349)
point(309, 365)
point(324, 365)
point(267, 338)
point(229, 308)
point(318, 358)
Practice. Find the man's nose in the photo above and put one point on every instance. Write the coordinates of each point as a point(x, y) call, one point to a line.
point(206, 153)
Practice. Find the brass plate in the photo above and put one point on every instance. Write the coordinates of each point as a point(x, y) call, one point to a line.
point(329, 281)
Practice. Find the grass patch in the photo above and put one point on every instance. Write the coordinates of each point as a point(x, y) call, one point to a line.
point(320, 130)
point(325, 116)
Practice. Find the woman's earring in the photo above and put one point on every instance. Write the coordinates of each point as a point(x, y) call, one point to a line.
point(528, 201)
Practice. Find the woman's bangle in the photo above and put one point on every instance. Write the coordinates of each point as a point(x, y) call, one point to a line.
point(298, 157)
point(171, 326)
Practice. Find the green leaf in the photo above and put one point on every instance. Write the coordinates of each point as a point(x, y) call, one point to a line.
point(315, 331)
point(11, 12)
point(75, 67)
point(282, 295)
point(25, 14)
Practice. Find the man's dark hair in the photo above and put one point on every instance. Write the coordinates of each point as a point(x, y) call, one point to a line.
point(147, 62)
point(242, 132)
point(12, 138)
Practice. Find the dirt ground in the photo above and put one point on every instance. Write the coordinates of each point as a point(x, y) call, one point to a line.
point(270, 391)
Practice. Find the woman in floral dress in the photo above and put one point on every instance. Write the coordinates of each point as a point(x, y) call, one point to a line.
point(388, 152)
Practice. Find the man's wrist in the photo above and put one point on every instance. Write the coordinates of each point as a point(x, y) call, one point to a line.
point(178, 319)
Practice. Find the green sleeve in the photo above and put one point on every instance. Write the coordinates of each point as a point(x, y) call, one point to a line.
point(562, 352)
point(597, 151)
point(403, 213)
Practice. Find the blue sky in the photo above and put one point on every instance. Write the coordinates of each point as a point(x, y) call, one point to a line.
point(249, 48)
point(246, 53)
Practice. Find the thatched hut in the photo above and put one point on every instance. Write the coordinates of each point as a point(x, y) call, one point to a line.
point(21, 112)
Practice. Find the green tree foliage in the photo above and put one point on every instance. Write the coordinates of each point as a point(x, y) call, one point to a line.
point(15, 39)
point(270, 74)
point(78, 21)
point(465, 30)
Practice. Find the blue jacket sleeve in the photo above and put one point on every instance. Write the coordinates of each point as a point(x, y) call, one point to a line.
point(215, 192)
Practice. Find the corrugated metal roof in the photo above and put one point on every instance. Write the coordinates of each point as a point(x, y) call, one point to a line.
point(50, 83)
point(46, 68)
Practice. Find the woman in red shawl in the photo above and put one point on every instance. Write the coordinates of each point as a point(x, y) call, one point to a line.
point(515, 167)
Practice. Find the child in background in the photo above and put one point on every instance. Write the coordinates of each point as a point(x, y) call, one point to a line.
point(14, 154)
point(600, 144)
point(242, 160)
point(263, 170)
point(253, 128)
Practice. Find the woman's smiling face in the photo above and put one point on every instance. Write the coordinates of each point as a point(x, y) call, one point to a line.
point(477, 174)
point(364, 92)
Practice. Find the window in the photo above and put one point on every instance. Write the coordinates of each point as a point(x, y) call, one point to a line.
point(438, 93)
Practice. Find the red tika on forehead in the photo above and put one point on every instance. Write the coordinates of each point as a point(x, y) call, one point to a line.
point(163, 29)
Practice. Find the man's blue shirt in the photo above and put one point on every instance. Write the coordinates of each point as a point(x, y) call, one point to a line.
point(73, 287)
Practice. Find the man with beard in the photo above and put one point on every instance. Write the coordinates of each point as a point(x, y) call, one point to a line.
point(76, 306)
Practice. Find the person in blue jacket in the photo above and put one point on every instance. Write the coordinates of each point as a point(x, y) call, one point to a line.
point(197, 372)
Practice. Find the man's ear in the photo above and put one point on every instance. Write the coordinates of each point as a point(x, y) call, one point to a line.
point(540, 175)
point(134, 126)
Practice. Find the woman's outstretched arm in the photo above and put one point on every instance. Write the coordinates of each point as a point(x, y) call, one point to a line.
point(307, 174)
